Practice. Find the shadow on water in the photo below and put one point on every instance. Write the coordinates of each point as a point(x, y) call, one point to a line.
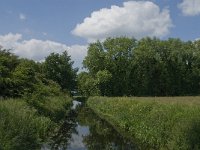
point(101, 135)
point(84, 130)
point(60, 139)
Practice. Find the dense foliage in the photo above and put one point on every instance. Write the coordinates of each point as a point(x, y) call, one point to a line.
point(28, 125)
point(8, 63)
point(19, 77)
point(53, 107)
point(20, 127)
point(153, 123)
point(41, 104)
point(58, 67)
point(146, 67)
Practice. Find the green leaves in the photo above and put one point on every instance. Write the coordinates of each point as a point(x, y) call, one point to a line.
point(108, 62)
point(20, 77)
point(8, 62)
point(147, 67)
point(59, 69)
point(24, 77)
point(87, 85)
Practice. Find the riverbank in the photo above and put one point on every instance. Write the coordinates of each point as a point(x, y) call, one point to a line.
point(153, 123)
point(25, 124)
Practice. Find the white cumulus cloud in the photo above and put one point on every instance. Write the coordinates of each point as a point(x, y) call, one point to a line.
point(134, 19)
point(190, 7)
point(39, 49)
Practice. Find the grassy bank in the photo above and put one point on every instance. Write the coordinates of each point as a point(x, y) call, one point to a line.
point(25, 126)
point(54, 107)
point(153, 123)
point(20, 126)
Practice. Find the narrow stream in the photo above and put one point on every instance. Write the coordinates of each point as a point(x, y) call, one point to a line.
point(84, 130)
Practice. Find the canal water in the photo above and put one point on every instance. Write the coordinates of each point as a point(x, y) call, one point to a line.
point(84, 130)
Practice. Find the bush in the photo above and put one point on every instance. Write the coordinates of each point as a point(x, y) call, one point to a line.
point(48, 100)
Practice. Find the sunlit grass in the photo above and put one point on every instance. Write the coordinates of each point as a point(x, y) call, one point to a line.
point(153, 122)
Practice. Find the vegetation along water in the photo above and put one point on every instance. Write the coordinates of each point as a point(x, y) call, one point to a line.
point(37, 110)
point(32, 103)
point(153, 122)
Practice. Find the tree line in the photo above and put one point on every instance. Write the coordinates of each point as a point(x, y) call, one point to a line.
point(19, 76)
point(147, 67)
point(114, 67)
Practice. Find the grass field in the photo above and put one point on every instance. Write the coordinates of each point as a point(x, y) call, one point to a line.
point(153, 122)
point(24, 126)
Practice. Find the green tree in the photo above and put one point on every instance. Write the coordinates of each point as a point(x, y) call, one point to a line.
point(87, 85)
point(147, 67)
point(148, 71)
point(113, 55)
point(58, 67)
point(103, 81)
point(24, 77)
point(8, 63)
point(95, 59)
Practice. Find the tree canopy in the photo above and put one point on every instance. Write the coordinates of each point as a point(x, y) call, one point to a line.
point(58, 67)
point(146, 67)
point(19, 77)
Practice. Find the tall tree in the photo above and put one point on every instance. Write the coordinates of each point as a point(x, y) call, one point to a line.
point(58, 67)
point(113, 56)
point(147, 67)
point(8, 62)
point(24, 77)
point(87, 85)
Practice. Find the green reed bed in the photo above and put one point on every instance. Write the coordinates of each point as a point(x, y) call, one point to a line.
point(20, 126)
point(26, 124)
point(153, 123)
point(55, 107)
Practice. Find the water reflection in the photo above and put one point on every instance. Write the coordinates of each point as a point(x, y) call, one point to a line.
point(60, 139)
point(76, 141)
point(101, 136)
point(84, 130)
point(76, 104)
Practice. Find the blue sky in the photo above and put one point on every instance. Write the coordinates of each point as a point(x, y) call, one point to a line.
point(35, 28)
point(57, 18)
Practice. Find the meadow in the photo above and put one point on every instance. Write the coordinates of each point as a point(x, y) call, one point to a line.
point(153, 122)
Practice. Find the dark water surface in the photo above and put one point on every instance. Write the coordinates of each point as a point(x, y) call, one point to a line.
point(84, 130)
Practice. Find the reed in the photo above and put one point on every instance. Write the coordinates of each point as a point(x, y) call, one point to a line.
point(153, 122)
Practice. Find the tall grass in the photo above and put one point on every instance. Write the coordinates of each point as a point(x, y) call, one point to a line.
point(55, 107)
point(154, 123)
point(27, 123)
point(20, 127)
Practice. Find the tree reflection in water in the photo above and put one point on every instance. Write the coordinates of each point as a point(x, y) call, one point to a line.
point(98, 136)
point(102, 136)
point(61, 139)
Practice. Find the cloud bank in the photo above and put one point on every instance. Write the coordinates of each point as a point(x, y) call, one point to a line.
point(134, 19)
point(38, 49)
point(190, 7)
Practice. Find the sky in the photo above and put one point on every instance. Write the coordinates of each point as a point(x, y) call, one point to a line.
point(35, 28)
